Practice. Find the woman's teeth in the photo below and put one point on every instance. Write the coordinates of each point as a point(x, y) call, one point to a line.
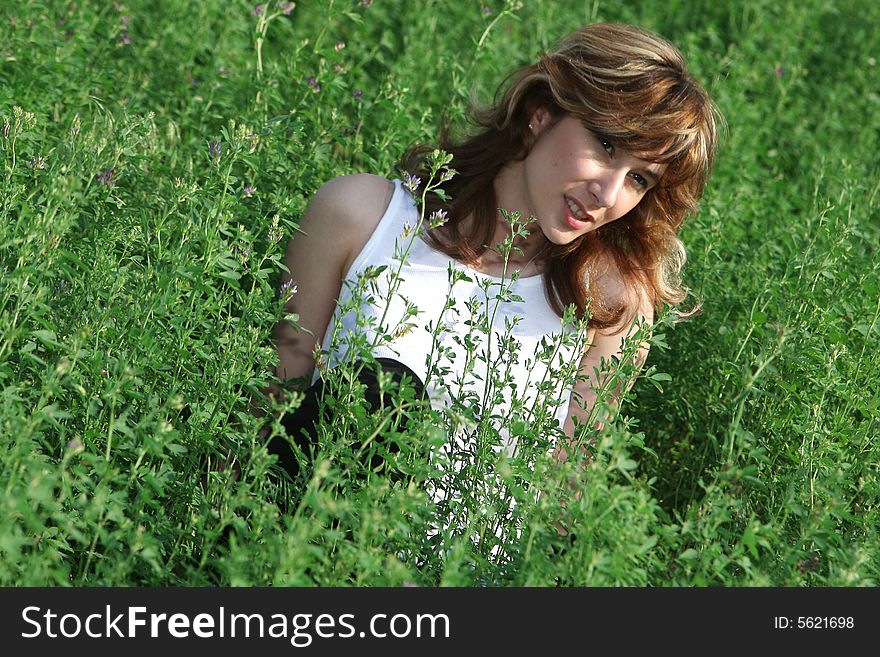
point(575, 210)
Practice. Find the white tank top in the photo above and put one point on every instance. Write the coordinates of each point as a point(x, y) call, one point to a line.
point(425, 284)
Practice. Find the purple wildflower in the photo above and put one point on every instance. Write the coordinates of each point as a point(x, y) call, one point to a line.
point(313, 83)
point(366, 3)
point(38, 162)
point(243, 252)
point(411, 182)
point(257, 11)
point(125, 21)
point(338, 68)
point(248, 191)
point(286, 7)
point(487, 11)
point(124, 39)
point(214, 149)
point(288, 289)
point(437, 219)
point(339, 45)
point(107, 177)
point(358, 94)
point(74, 445)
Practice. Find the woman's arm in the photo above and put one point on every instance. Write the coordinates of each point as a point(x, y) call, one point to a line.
point(604, 352)
point(333, 230)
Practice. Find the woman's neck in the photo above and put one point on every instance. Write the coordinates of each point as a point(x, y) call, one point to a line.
point(492, 261)
point(508, 196)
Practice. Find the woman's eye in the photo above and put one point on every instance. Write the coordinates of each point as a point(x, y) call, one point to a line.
point(640, 180)
point(606, 145)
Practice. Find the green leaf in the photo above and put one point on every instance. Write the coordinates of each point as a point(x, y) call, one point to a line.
point(47, 337)
point(648, 543)
point(689, 555)
point(749, 540)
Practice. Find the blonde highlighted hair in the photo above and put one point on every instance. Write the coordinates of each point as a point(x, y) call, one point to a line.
point(630, 86)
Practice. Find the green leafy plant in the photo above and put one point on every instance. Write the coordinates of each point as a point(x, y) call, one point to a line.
point(155, 156)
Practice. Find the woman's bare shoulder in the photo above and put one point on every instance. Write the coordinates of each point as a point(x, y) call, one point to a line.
point(609, 282)
point(346, 211)
point(355, 199)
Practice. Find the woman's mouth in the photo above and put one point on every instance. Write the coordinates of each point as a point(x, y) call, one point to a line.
point(575, 214)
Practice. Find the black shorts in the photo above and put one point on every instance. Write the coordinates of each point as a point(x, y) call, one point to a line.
point(301, 424)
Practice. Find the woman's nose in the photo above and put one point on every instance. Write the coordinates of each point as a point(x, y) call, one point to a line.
point(606, 186)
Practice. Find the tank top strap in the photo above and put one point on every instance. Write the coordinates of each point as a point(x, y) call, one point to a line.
point(401, 211)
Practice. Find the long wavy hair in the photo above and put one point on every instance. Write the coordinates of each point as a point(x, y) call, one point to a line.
point(622, 82)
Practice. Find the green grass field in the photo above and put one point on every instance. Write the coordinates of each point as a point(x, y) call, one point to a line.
point(157, 156)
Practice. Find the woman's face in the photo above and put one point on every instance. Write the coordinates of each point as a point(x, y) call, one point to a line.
point(575, 180)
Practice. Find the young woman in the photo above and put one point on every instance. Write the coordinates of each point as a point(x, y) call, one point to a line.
point(606, 142)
